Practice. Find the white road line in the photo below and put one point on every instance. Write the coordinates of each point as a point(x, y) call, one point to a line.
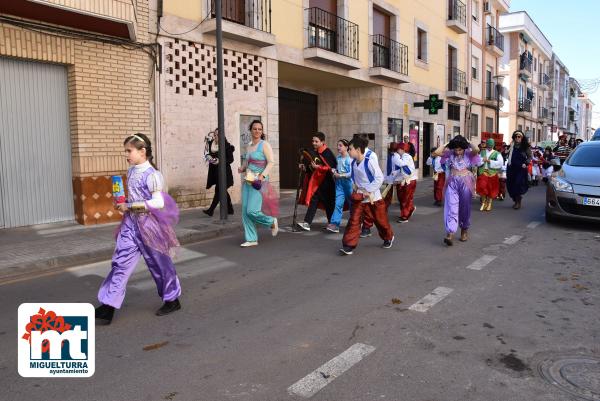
point(325, 374)
point(429, 300)
point(512, 239)
point(534, 224)
point(481, 262)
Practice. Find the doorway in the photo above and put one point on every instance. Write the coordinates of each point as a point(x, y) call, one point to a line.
point(427, 141)
point(298, 121)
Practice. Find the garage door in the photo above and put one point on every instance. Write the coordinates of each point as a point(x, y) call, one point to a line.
point(35, 146)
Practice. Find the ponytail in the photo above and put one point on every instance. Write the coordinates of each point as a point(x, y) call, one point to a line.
point(141, 141)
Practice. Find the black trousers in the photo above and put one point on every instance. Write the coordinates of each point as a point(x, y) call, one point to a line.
point(215, 201)
point(320, 196)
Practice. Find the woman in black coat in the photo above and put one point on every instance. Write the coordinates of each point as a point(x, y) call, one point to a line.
point(519, 157)
point(211, 154)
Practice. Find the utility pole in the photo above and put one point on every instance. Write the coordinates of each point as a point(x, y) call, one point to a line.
point(221, 115)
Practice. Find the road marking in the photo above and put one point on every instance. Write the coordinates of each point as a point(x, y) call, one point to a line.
point(512, 239)
point(325, 374)
point(534, 224)
point(481, 262)
point(431, 299)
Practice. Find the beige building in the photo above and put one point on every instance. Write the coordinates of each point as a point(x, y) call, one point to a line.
point(527, 89)
point(74, 81)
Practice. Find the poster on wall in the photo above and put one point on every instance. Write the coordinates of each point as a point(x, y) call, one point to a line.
point(413, 137)
point(440, 136)
point(245, 136)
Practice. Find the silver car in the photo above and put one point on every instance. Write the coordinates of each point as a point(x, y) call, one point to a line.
point(574, 191)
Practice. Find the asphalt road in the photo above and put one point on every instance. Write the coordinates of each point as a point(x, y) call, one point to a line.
point(517, 298)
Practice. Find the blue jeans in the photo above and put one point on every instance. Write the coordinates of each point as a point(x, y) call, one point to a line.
point(343, 190)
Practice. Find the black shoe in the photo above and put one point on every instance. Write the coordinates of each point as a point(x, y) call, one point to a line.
point(208, 212)
point(387, 244)
point(230, 211)
point(346, 250)
point(402, 220)
point(104, 314)
point(168, 307)
point(437, 203)
point(366, 232)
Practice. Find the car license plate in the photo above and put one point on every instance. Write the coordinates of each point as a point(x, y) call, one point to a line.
point(591, 201)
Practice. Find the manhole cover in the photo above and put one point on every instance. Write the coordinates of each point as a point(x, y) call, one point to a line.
point(577, 375)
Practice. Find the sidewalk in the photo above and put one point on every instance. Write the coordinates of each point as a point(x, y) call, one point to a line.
point(50, 247)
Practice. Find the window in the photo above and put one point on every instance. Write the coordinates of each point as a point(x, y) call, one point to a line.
point(453, 112)
point(520, 127)
point(535, 64)
point(475, 10)
point(489, 124)
point(474, 125)
point(475, 68)
point(395, 128)
point(533, 136)
point(421, 45)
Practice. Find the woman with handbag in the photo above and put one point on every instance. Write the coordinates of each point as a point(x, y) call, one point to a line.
point(259, 200)
point(211, 154)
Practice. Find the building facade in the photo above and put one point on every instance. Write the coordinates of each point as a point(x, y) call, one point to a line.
point(586, 110)
point(526, 63)
point(74, 81)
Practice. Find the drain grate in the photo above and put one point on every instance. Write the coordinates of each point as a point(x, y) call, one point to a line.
point(577, 375)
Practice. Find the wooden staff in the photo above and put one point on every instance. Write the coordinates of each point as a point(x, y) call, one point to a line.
point(300, 181)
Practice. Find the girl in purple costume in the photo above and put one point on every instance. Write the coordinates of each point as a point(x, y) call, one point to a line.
point(459, 156)
point(146, 230)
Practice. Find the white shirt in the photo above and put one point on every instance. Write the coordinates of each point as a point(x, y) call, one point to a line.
point(373, 156)
point(402, 177)
point(361, 180)
point(396, 160)
point(494, 164)
point(437, 164)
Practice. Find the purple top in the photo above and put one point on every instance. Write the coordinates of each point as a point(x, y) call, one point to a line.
point(465, 162)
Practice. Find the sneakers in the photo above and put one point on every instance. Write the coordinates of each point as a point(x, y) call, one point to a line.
point(365, 232)
point(104, 314)
point(303, 225)
point(248, 244)
point(332, 228)
point(168, 307)
point(387, 244)
point(346, 250)
point(402, 220)
point(412, 212)
point(275, 228)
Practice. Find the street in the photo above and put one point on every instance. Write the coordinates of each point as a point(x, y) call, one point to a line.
point(482, 320)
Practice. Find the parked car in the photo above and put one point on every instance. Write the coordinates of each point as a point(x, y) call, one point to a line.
point(574, 191)
point(596, 136)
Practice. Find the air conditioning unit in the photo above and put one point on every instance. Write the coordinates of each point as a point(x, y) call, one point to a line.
point(487, 7)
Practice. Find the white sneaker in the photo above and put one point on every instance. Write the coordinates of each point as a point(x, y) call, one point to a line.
point(275, 228)
point(249, 244)
point(303, 225)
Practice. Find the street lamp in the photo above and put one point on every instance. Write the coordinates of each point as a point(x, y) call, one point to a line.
point(499, 79)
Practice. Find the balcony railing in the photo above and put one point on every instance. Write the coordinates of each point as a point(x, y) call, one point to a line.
point(525, 105)
point(388, 53)
point(329, 32)
point(457, 80)
point(544, 79)
point(490, 91)
point(457, 11)
point(254, 14)
point(526, 62)
point(494, 38)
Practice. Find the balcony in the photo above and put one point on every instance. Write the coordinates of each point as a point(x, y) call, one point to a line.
point(494, 40)
point(247, 21)
point(544, 81)
point(457, 88)
point(457, 16)
point(525, 63)
point(390, 59)
point(524, 107)
point(331, 39)
point(491, 94)
point(107, 17)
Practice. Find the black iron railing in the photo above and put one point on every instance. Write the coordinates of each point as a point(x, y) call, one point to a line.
point(330, 32)
point(457, 80)
point(457, 11)
point(494, 38)
point(526, 62)
point(490, 91)
point(544, 79)
point(525, 104)
point(254, 14)
point(388, 53)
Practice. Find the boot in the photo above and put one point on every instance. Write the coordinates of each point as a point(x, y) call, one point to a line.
point(104, 314)
point(483, 203)
point(464, 235)
point(448, 239)
point(488, 207)
point(168, 307)
point(517, 205)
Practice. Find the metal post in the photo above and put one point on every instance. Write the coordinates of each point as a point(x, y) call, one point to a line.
point(497, 107)
point(221, 115)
